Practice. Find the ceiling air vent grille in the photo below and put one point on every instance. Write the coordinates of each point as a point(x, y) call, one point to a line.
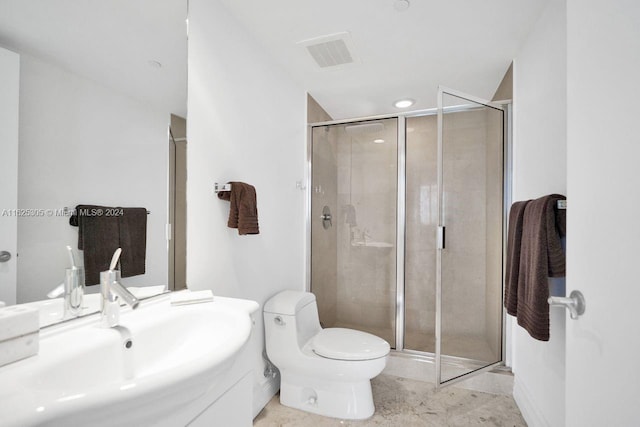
point(330, 54)
point(330, 51)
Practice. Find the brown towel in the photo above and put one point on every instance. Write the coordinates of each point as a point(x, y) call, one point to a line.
point(514, 242)
point(243, 209)
point(102, 230)
point(541, 257)
point(133, 241)
point(98, 238)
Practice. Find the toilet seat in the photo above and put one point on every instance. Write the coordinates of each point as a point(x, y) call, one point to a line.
point(347, 344)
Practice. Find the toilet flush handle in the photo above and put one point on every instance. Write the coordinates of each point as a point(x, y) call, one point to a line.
point(278, 321)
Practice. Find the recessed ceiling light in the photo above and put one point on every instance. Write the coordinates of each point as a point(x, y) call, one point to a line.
point(401, 5)
point(404, 103)
point(154, 64)
point(378, 141)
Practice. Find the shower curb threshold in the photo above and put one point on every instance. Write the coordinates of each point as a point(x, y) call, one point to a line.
point(498, 381)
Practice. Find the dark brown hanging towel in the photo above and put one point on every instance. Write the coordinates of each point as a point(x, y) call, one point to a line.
point(102, 230)
point(243, 208)
point(98, 238)
point(133, 241)
point(514, 243)
point(541, 257)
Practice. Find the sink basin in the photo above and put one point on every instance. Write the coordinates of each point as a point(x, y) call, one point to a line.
point(161, 358)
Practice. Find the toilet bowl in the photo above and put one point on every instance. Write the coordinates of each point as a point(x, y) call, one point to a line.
point(323, 371)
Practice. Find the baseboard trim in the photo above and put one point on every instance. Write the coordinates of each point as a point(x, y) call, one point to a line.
point(531, 414)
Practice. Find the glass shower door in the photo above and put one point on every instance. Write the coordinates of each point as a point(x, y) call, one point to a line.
point(470, 230)
point(354, 192)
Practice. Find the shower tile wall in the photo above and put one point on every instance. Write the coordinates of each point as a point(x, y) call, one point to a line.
point(464, 259)
point(421, 226)
point(324, 266)
point(471, 273)
point(353, 262)
point(324, 260)
point(367, 186)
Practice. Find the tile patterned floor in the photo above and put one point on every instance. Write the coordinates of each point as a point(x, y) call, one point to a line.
point(406, 403)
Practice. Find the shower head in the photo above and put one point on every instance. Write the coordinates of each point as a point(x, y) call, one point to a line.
point(364, 128)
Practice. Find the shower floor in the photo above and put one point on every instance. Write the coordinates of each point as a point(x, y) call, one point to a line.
point(464, 346)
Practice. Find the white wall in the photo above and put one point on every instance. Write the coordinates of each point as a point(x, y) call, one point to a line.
point(246, 122)
point(82, 143)
point(540, 162)
point(603, 227)
point(9, 88)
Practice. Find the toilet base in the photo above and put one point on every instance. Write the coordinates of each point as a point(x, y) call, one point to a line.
point(346, 400)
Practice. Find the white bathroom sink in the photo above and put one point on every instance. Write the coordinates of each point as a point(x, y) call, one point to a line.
point(159, 359)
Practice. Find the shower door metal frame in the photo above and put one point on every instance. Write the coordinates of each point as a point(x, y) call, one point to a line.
point(401, 194)
point(401, 216)
point(441, 246)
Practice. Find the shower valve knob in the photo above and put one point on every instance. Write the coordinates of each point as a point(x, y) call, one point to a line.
point(5, 256)
point(326, 217)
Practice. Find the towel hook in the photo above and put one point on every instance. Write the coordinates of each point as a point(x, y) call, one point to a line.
point(575, 303)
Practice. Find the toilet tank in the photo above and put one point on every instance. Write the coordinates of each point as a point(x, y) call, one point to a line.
point(298, 306)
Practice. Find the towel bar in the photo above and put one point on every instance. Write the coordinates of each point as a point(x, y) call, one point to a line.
point(562, 204)
point(221, 187)
point(575, 303)
point(69, 211)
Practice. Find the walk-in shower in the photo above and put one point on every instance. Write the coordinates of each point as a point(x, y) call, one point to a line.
point(407, 230)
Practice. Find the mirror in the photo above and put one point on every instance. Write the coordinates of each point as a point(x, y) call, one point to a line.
point(99, 82)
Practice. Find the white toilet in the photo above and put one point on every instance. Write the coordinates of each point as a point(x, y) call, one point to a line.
point(324, 371)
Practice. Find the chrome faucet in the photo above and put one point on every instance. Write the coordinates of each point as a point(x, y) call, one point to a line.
point(111, 290)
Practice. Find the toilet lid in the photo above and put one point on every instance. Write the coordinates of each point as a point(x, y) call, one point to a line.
point(347, 344)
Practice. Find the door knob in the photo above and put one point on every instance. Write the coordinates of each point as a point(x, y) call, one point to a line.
point(575, 303)
point(5, 256)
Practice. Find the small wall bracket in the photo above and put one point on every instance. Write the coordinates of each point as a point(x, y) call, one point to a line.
point(221, 187)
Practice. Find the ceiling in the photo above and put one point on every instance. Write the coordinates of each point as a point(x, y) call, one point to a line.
point(108, 41)
point(462, 44)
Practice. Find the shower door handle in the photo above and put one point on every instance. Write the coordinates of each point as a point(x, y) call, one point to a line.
point(441, 237)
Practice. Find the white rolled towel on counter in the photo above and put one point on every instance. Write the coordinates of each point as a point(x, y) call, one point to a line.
point(191, 297)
